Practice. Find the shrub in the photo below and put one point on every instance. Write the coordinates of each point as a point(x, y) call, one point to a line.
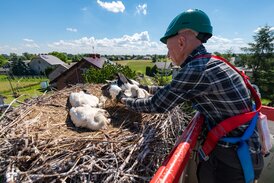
point(108, 72)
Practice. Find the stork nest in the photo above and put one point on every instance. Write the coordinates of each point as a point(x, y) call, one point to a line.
point(39, 143)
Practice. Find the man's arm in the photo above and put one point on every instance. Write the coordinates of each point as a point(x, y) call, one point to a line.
point(185, 86)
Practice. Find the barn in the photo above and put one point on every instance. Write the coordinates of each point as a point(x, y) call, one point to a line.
point(74, 74)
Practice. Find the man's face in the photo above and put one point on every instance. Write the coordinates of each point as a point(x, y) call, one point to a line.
point(174, 46)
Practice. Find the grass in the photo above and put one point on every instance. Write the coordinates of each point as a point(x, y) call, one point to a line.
point(24, 87)
point(265, 101)
point(137, 65)
point(28, 92)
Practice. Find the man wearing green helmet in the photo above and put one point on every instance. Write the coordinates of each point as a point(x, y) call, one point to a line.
point(218, 92)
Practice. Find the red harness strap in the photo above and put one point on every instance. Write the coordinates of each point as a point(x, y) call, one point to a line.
point(231, 123)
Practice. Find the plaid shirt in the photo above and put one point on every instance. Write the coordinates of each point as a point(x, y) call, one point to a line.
point(214, 89)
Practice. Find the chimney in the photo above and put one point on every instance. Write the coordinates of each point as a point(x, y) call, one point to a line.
point(95, 55)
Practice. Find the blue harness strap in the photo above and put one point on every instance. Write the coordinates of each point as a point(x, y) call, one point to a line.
point(243, 149)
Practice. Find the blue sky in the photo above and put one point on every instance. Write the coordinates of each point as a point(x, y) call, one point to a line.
point(122, 27)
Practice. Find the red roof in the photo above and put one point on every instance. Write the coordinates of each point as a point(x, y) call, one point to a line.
point(98, 62)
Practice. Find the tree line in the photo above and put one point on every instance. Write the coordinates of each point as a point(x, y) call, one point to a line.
point(258, 57)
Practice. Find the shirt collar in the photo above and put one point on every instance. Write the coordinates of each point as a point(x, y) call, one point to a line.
point(200, 50)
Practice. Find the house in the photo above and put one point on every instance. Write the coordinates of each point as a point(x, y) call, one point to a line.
point(43, 62)
point(59, 70)
point(246, 70)
point(147, 57)
point(74, 74)
point(162, 67)
point(4, 70)
point(175, 70)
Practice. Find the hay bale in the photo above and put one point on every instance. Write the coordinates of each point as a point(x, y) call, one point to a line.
point(39, 143)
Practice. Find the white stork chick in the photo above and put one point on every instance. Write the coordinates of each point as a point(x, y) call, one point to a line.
point(81, 98)
point(136, 92)
point(111, 90)
point(102, 103)
point(88, 117)
point(131, 87)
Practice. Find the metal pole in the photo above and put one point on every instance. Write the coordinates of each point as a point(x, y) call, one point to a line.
point(14, 93)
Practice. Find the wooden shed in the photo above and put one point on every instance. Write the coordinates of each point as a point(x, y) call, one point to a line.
point(75, 73)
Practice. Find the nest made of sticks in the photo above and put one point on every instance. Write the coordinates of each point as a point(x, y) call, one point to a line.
point(39, 143)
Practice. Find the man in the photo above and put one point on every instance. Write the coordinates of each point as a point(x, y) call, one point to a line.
point(215, 90)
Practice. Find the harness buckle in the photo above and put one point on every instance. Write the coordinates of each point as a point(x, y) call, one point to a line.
point(202, 154)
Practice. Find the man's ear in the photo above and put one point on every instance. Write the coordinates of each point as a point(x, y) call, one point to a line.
point(182, 42)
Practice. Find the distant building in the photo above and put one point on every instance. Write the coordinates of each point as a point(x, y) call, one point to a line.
point(4, 70)
point(232, 60)
point(247, 71)
point(147, 58)
point(163, 65)
point(175, 70)
point(74, 74)
point(59, 70)
point(43, 62)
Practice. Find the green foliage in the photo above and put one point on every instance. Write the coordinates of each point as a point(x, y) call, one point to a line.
point(107, 73)
point(19, 68)
point(148, 71)
point(265, 82)
point(261, 51)
point(13, 57)
point(154, 58)
point(3, 60)
point(162, 79)
point(28, 56)
point(261, 60)
point(48, 70)
point(61, 56)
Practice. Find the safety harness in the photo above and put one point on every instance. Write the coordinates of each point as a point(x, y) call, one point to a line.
point(229, 124)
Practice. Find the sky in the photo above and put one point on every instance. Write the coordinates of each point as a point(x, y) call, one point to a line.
point(123, 26)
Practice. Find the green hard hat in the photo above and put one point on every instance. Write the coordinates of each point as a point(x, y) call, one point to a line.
point(195, 19)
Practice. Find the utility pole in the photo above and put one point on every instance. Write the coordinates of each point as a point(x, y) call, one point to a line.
point(14, 93)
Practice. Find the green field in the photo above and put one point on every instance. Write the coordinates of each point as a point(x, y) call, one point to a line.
point(137, 65)
point(23, 87)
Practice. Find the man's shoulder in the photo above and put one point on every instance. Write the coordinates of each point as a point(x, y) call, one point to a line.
point(198, 64)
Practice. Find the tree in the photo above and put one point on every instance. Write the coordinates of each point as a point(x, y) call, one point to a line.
point(261, 60)
point(61, 56)
point(18, 67)
point(154, 58)
point(261, 50)
point(13, 57)
point(93, 75)
point(28, 56)
point(3, 60)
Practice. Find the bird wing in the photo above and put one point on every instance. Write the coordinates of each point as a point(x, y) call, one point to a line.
point(122, 79)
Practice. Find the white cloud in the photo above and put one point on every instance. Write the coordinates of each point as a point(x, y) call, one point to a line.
point(29, 43)
point(142, 9)
point(71, 29)
point(114, 6)
point(28, 40)
point(138, 43)
point(222, 45)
